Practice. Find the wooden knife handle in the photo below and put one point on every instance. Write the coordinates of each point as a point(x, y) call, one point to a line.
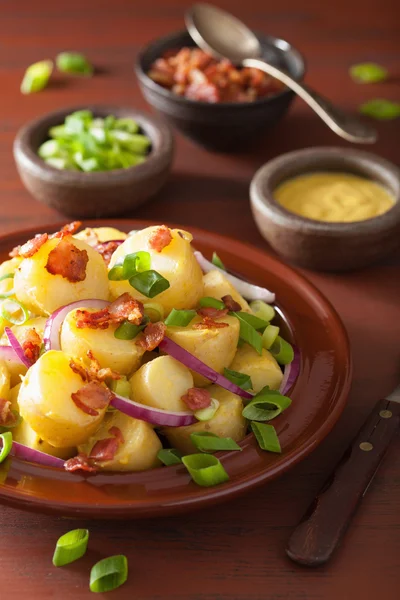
point(322, 527)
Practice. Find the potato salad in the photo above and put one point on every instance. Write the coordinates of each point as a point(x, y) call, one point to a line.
point(127, 352)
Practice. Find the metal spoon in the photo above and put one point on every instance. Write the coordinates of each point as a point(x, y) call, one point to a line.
point(224, 36)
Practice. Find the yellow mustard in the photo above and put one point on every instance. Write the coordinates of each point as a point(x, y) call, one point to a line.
point(334, 197)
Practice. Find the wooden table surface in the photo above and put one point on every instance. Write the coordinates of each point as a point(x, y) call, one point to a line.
point(235, 550)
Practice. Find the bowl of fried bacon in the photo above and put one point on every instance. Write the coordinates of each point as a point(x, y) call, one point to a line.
point(216, 104)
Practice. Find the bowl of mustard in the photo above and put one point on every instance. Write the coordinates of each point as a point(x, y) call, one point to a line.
point(328, 209)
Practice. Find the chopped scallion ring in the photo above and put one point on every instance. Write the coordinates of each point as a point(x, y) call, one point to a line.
point(70, 547)
point(6, 445)
point(262, 310)
point(14, 312)
point(36, 76)
point(109, 573)
point(207, 301)
point(248, 334)
point(282, 351)
point(122, 387)
point(209, 442)
point(240, 379)
point(7, 293)
point(368, 73)
point(150, 283)
point(180, 318)
point(217, 261)
point(169, 456)
point(154, 311)
point(266, 437)
point(128, 331)
point(136, 262)
point(256, 322)
point(266, 405)
point(205, 414)
point(269, 336)
point(75, 63)
point(205, 469)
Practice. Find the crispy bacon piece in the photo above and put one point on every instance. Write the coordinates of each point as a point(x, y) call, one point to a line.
point(31, 345)
point(93, 372)
point(79, 463)
point(152, 335)
point(209, 323)
point(105, 449)
point(231, 304)
point(107, 249)
point(124, 308)
point(92, 396)
point(212, 313)
point(7, 417)
point(197, 398)
point(68, 229)
point(116, 432)
point(160, 238)
point(32, 246)
point(68, 261)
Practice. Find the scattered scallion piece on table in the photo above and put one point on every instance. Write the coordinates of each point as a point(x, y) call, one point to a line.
point(149, 283)
point(205, 469)
point(282, 351)
point(266, 405)
point(36, 77)
point(6, 445)
point(205, 414)
point(217, 261)
point(266, 437)
point(70, 547)
point(269, 336)
point(262, 310)
point(169, 456)
point(240, 379)
point(381, 109)
point(209, 442)
point(368, 73)
point(180, 318)
point(74, 63)
point(109, 574)
point(207, 301)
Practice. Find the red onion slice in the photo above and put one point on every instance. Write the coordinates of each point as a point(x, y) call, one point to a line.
point(51, 337)
point(41, 458)
point(249, 291)
point(119, 242)
point(7, 353)
point(291, 372)
point(193, 363)
point(17, 348)
point(152, 415)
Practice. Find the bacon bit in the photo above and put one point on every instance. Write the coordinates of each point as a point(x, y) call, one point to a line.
point(79, 463)
point(94, 372)
point(68, 261)
point(197, 398)
point(124, 308)
point(92, 396)
point(91, 237)
point(107, 249)
point(106, 449)
point(14, 252)
point(160, 238)
point(212, 313)
point(31, 345)
point(152, 335)
point(231, 304)
point(116, 432)
point(208, 323)
point(32, 246)
point(68, 229)
point(7, 417)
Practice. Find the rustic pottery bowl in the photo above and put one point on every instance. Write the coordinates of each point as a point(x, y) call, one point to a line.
point(316, 244)
point(95, 194)
point(225, 126)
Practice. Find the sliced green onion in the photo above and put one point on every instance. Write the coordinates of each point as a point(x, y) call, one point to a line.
point(248, 334)
point(109, 573)
point(269, 336)
point(266, 405)
point(14, 312)
point(169, 456)
point(205, 469)
point(217, 261)
point(207, 301)
point(282, 351)
point(128, 331)
point(122, 387)
point(262, 310)
point(381, 109)
point(150, 283)
point(70, 547)
point(154, 311)
point(6, 277)
point(240, 379)
point(73, 62)
point(266, 437)
point(126, 124)
point(116, 273)
point(368, 73)
point(36, 76)
point(137, 262)
point(6, 441)
point(252, 320)
point(206, 441)
point(180, 318)
point(205, 414)
point(17, 421)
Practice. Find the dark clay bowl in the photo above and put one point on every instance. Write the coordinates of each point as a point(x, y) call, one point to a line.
point(95, 194)
point(224, 126)
point(316, 244)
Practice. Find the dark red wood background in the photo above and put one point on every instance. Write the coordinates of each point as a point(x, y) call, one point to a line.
point(235, 551)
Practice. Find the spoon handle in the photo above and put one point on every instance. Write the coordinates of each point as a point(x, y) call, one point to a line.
point(346, 126)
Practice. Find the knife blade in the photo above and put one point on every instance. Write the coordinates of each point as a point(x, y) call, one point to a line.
point(322, 527)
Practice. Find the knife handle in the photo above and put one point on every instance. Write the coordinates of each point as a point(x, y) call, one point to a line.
point(322, 527)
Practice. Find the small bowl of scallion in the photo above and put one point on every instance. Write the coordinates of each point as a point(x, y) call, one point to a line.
point(94, 161)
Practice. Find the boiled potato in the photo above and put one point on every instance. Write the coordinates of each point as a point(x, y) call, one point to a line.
point(45, 402)
point(139, 449)
point(120, 355)
point(13, 396)
point(215, 347)
point(10, 266)
point(263, 370)
point(161, 383)
point(217, 285)
point(4, 380)
point(43, 293)
point(100, 234)
point(176, 262)
point(25, 435)
point(228, 421)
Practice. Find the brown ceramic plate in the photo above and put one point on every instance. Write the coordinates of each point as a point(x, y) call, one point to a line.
point(319, 396)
